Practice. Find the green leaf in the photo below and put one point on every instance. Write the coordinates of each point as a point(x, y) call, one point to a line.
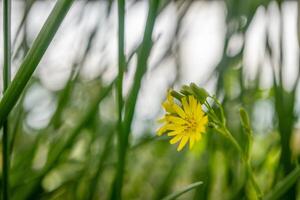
point(182, 191)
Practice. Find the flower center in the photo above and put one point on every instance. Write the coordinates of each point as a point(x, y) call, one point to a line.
point(190, 125)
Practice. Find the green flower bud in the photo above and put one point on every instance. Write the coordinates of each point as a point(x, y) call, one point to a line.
point(186, 90)
point(176, 95)
point(246, 125)
point(244, 118)
point(200, 93)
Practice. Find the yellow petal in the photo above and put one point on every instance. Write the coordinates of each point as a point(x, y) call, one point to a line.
point(169, 127)
point(173, 133)
point(186, 106)
point(202, 124)
point(169, 96)
point(176, 120)
point(182, 143)
point(161, 120)
point(161, 130)
point(179, 111)
point(199, 112)
point(193, 103)
point(198, 136)
point(204, 120)
point(176, 139)
point(168, 107)
point(192, 141)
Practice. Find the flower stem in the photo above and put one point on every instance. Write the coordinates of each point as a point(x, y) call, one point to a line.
point(223, 130)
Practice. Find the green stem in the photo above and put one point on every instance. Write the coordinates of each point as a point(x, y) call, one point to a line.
point(223, 130)
point(122, 63)
point(6, 81)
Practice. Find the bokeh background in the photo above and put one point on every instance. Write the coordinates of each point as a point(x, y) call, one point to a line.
point(244, 51)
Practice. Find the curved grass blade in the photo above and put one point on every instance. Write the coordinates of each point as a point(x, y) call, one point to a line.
point(33, 57)
point(184, 190)
point(284, 185)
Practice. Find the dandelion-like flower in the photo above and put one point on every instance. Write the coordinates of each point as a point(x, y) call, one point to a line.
point(185, 122)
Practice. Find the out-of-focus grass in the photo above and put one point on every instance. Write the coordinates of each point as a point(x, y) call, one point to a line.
point(87, 150)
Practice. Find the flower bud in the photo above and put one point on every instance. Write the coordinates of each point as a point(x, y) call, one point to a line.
point(246, 125)
point(244, 119)
point(200, 93)
point(176, 95)
point(186, 90)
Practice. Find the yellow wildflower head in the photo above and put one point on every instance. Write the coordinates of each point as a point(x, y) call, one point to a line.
point(185, 122)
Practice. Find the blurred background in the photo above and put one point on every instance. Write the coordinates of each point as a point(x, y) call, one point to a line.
point(63, 139)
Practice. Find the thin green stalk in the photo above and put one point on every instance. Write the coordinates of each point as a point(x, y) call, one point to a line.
point(6, 81)
point(33, 58)
point(122, 60)
point(245, 160)
point(122, 63)
point(143, 55)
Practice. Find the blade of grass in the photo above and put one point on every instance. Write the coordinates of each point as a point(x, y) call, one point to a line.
point(33, 57)
point(6, 82)
point(182, 191)
point(132, 98)
point(283, 186)
point(122, 63)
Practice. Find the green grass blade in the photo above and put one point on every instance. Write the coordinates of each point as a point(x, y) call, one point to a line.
point(122, 60)
point(122, 64)
point(284, 185)
point(184, 190)
point(6, 82)
point(33, 57)
point(132, 97)
point(6, 43)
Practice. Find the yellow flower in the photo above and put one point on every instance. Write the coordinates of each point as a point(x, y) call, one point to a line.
point(185, 122)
